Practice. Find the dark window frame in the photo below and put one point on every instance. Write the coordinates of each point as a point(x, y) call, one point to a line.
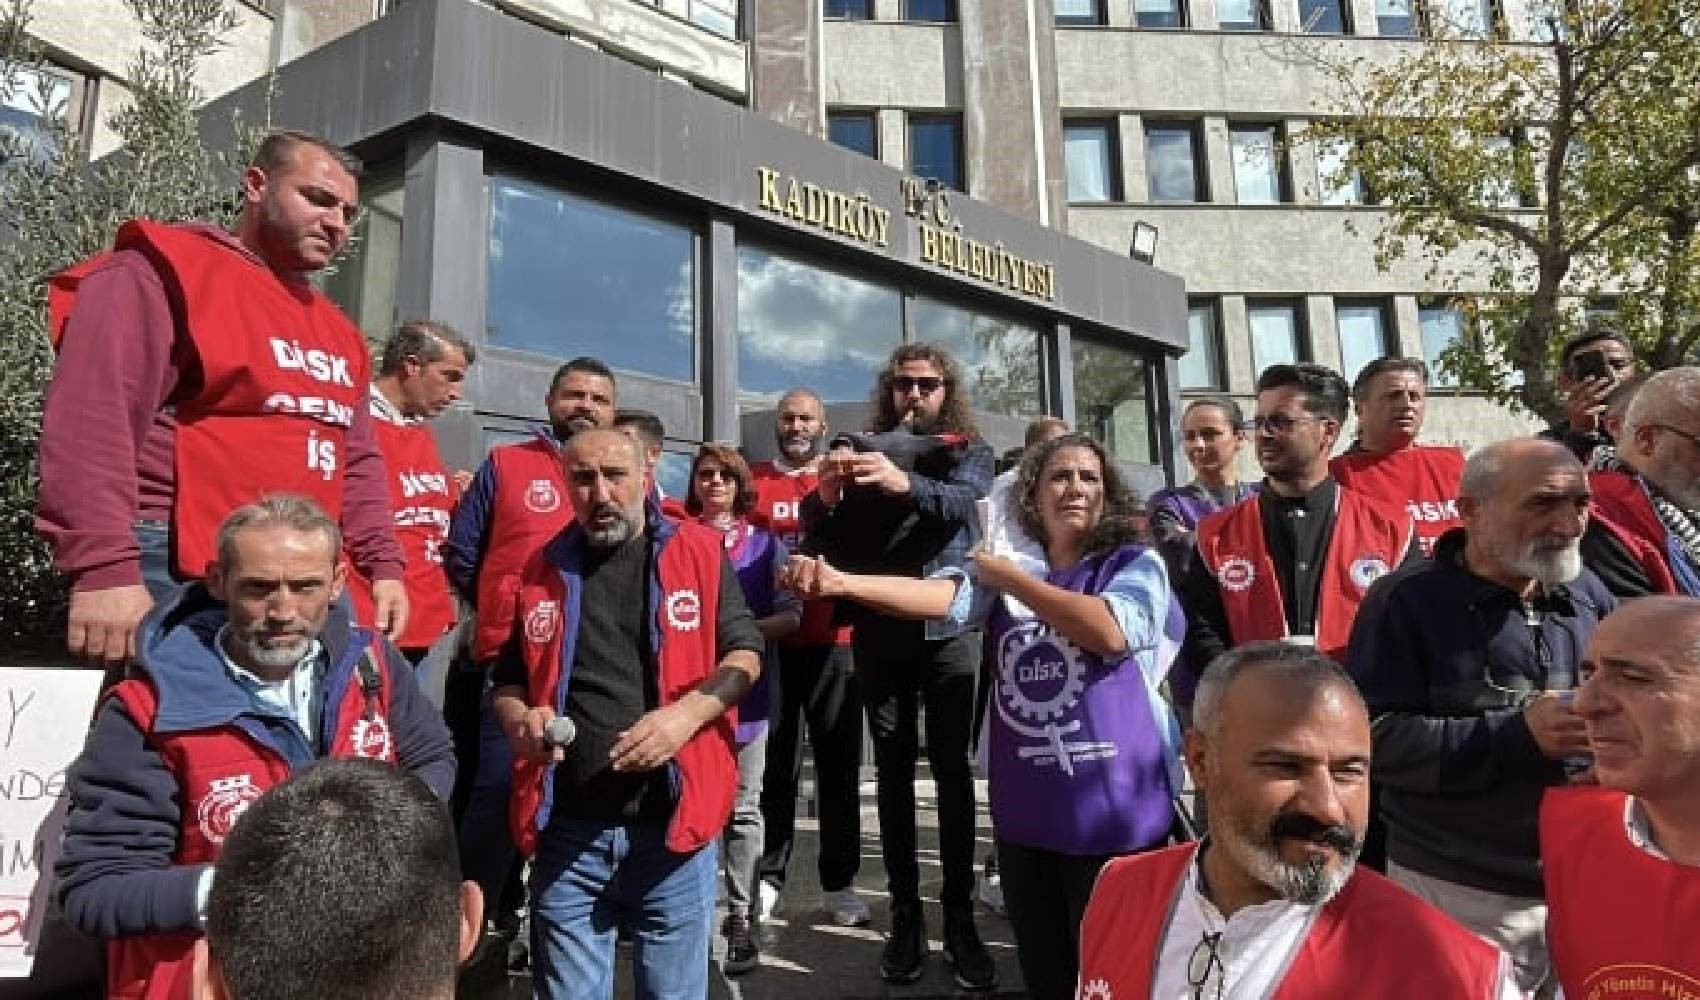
point(1218, 344)
point(1283, 165)
point(1265, 20)
point(955, 119)
point(1418, 21)
point(1194, 128)
point(870, 115)
point(1097, 19)
point(864, 10)
point(1389, 335)
point(1183, 18)
point(1345, 10)
point(952, 16)
point(1303, 342)
point(1112, 144)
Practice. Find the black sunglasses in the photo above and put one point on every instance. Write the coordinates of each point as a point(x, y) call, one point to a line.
point(927, 384)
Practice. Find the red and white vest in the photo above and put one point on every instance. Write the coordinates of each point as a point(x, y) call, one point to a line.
point(1622, 508)
point(1368, 541)
point(220, 772)
point(1421, 479)
point(1620, 922)
point(779, 509)
point(530, 507)
point(422, 496)
point(280, 371)
point(686, 572)
point(1373, 939)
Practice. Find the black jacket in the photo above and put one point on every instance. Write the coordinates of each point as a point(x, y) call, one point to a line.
point(1445, 660)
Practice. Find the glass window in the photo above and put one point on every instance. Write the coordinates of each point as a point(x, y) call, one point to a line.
point(1363, 334)
point(800, 324)
point(1442, 325)
point(1340, 184)
point(1258, 175)
point(1242, 15)
point(1500, 189)
point(1159, 13)
point(718, 16)
point(1089, 150)
point(857, 130)
point(1396, 18)
point(1111, 401)
point(1275, 334)
point(929, 10)
point(1079, 12)
point(363, 282)
point(1172, 162)
point(1470, 18)
point(1199, 367)
point(673, 473)
point(999, 357)
point(1324, 17)
point(935, 149)
point(32, 103)
point(571, 276)
point(850, 10)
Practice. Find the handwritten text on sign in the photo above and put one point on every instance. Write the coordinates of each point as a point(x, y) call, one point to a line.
point(43, 719)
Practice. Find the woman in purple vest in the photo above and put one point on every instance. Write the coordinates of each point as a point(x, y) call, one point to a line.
point(722, 493)
point(1083, 751)
point(1212, 431)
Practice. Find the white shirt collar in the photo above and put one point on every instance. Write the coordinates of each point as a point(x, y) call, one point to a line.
point(383, 409)
point(1254, 946)
point(1640, 833)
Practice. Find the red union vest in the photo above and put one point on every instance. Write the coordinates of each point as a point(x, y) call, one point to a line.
point(687, 571)
point(219, 773)
point(1367, 542)
point(1373, 939)
point(779, 509)
point(1621, 923)
point(422, 494)
point(281, 370)
point(529, 508)
point(1622, 508)
point(1421, 479)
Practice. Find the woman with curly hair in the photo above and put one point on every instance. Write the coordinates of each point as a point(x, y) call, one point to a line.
point(1082, 747)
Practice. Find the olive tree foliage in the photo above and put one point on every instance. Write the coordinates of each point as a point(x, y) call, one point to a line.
point(1541, 174)
point(56, 208)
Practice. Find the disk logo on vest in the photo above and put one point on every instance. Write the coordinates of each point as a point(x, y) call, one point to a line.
point(1040, 679)
point(540, 622)
point(541, 497)
point(1365, 570)
point(684, 610)
point(1236, 574)
point(225, 801)
point(372, 738)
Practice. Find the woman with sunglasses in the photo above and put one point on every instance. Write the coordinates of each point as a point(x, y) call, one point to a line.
point(1082, 748)
point(1212, 433)
point(722, 493)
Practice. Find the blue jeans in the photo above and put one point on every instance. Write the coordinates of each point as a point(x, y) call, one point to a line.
point(587, 880)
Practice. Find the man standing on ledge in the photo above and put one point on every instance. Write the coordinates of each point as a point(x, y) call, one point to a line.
point(198, 369)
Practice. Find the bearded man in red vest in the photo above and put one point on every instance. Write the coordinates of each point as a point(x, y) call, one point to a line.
point(1271, 903)
point(1644, 534)
point(1622, 859)
point(198, 369)
point(1385, 463)
point(632, 629)
point(423, 366)
point(237, 683)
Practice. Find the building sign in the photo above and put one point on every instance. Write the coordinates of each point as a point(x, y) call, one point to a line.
point(939, 234)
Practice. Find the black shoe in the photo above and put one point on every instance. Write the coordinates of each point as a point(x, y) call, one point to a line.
point(742, 954)
point(968, 958)
point(905, 956)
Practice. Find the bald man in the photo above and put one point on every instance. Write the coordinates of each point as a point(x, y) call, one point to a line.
point(1622, 860)
point(1645, 535)
point(1466, 662)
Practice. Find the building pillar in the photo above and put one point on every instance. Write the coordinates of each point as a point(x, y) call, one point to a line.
point(1013, 145)
point(785, 63)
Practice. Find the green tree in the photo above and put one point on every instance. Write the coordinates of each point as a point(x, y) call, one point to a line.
point(1542, 174)
point(57, 208)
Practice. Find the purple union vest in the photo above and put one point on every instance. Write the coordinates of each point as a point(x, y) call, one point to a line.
point(753, 553)
point(1076, 762)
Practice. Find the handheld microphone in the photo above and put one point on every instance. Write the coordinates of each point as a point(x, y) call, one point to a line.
point(560, 732)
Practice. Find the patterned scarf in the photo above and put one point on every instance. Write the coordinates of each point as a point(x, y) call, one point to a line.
point(1680, 523)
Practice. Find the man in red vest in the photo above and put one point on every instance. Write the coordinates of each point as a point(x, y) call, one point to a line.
point(237, 683)
point(1271, 903)
point(423, 365)
point(817, 688)
point(622, 812)
point(1296, 560)
point(1622, 859)
point(1385, 463)
point(198, 369)
point(1644, 536)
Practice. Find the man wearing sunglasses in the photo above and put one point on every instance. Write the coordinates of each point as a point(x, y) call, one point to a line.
point(1644, 533)
point(198, 369)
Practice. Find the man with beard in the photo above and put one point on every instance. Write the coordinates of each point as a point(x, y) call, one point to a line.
point(1294, 561)
point(816, 688)
point(516, 503)
point(1271, 903)
point(1468, 663)
point(630, 628)
point(914, 523)
point(1644, 533)
point(1385, 463)
point(237, 683)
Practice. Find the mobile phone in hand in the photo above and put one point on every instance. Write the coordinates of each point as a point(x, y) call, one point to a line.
point(1590, 364)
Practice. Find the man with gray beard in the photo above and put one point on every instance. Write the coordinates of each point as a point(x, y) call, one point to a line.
point(1468, 664)
point(1272, 902)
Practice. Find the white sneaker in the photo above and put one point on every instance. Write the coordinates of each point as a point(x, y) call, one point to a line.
point(767, 899)
point(845, 909)
point(991, 893)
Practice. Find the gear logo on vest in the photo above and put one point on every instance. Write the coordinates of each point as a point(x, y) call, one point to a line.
point(684, 610)
point(225, 801)
point(371, 738)
point(1097, 989)
point(540, 622)
point(1365, 570)
point(1041, 677)
point(1236, 574)
point(541, 497)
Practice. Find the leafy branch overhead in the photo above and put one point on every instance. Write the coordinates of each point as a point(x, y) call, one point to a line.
point(1536, 178)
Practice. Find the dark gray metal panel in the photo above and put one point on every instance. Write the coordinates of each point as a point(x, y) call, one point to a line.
point(443, 266)
point(1169, 417)
point(720, 331)
point(1062, 374)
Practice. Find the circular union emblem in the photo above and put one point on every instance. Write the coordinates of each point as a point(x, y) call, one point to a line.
point(541, 497)
point(540, 622)
point(1236, 574)
point(372, 738)
point(684, 610)
point(1365, 570)
point(1041, 676)
point(225, 801)
point(1097, 989)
